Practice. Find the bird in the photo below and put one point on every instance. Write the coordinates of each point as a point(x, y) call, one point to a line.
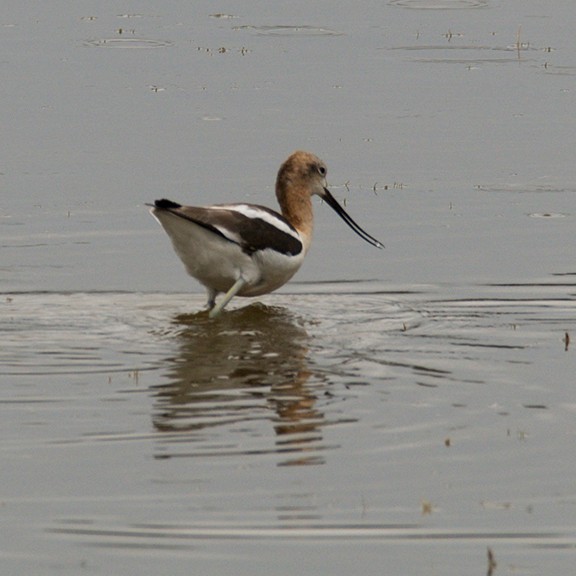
point(247, 249)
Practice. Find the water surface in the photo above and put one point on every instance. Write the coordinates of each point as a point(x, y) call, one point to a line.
point(398, 411)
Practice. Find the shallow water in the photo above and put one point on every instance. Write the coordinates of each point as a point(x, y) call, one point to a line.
point(398, 411)
point(346, 420)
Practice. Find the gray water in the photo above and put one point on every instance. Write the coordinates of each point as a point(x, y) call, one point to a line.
point(401, 411)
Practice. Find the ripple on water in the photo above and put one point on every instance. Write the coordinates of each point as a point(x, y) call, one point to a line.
point(130, 43)
point(278, 30)
point(429, 401)
point(48, 334)
point(469, 54)
point(440, 4)
point(260, 368)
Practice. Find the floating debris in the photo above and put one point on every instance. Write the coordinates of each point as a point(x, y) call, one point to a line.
point(426, 507)
point(491, 562)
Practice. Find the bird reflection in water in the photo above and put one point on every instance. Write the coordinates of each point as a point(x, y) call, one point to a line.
point(250, 365)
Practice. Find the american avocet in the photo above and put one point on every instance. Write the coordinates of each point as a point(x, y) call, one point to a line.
point(250, 250)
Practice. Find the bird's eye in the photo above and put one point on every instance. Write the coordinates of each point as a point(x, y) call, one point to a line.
point(322, 170)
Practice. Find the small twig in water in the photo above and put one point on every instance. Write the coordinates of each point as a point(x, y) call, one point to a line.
point(491, 562)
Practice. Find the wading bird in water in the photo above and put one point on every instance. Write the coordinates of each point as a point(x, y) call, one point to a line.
point(246, 249)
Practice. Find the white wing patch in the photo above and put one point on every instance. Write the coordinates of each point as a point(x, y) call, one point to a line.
point(251, 211)
point(229, 234)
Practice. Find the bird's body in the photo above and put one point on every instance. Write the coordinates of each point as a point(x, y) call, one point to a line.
point(246, 249)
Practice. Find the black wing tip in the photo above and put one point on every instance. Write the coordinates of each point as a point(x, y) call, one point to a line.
point(165, 204)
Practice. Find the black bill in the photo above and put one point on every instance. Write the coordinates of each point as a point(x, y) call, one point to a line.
point(333, 203)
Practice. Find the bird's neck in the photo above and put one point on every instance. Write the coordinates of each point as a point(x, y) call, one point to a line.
point(297, 209)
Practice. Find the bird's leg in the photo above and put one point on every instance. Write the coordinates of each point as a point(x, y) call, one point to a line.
point(211, 298)
point(238, 285)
